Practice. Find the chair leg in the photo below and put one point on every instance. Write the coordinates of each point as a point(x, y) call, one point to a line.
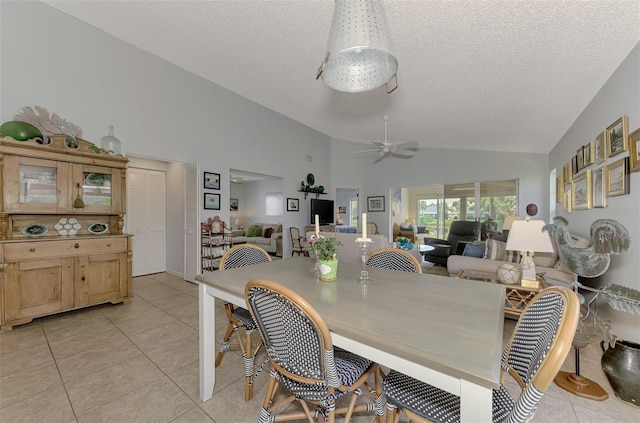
point(248, 359)
point(225, 343)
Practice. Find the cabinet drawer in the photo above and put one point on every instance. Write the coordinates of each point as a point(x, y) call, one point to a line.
point(62, 248)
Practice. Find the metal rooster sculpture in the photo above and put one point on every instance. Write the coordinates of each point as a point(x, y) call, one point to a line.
point(607, 237)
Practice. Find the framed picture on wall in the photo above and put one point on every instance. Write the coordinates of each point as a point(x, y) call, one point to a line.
point(342, 209)
point(634, 151)
point(211, 201)
point(293, 204)
point(599, 149)
point(580, 158)
point(559, 188)
point(588, 153)
point(375, 204)
point(574, 165)
point(566, 202)
point(211, 180)
point(617, 134)
point(618, 178)
point(582, 191)
point(233, 204)
point(598, 198)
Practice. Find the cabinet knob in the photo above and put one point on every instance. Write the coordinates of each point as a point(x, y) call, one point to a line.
point(108, 244)
point(76, 245)
point(32, 249)
point(83, 278)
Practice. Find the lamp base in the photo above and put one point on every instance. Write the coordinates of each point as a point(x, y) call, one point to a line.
point(580, 386)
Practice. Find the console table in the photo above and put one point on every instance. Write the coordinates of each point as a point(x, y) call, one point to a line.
point(516, 296)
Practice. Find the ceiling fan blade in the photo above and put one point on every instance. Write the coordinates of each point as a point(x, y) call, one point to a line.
point(367, 151)
point(380, 144)
point(408, 145)
point(403, 153)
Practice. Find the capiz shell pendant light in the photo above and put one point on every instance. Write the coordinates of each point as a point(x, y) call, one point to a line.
point(359, 55)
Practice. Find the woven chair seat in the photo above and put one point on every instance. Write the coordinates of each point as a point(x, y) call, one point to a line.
point(349, 367)
point(243, 315)
point(435, 404)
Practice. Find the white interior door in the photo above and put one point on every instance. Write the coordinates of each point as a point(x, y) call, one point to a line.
point(146, 219)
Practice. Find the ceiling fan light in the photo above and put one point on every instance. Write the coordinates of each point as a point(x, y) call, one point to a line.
point(359, 53)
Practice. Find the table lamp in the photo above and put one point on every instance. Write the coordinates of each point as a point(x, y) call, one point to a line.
point(508, 221)
point(238, 222)
point(527, 237)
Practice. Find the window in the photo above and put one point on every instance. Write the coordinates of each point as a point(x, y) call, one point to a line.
point(274, 201)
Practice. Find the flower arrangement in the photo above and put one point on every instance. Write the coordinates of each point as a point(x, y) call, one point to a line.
point(324, 247)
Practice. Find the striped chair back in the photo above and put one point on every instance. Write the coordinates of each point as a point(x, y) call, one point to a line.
point(538, 346)
point(393, 259)
point(243, 255)
point(297, 339)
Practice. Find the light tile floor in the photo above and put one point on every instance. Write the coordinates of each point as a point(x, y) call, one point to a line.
point(139, 363)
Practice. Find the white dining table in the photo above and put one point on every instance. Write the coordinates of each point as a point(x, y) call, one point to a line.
point(444, 331)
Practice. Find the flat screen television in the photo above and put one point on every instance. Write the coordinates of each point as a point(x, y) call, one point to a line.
point(324, 209)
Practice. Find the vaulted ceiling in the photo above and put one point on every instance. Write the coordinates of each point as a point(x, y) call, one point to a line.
point(488, 75)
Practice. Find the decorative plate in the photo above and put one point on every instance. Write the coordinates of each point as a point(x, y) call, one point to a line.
point(35, 230)
point(67, 226)
point(98, 228)
point(311, 179)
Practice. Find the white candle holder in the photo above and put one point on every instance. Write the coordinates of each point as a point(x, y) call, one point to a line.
point(364, 244)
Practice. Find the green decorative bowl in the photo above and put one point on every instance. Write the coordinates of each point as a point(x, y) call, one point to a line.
point(20, 131)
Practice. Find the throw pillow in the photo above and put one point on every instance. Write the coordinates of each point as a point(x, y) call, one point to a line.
point(496, 250)
point(474, 250)
point(254, 231)
point(267, 233)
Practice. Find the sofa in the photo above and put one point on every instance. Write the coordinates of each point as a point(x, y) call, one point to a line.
point(349, 251)
point(494, 254)
point(265, 235)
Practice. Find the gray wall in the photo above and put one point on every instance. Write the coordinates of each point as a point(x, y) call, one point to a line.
point(619, 96)
point(161, 111)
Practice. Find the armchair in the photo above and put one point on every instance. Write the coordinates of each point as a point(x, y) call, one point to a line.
point(460, 230)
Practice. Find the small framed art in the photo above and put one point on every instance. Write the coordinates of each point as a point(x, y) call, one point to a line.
point(617, 137)
point(375, 204)
point(582, 191)
point(598, 198)
point(233, 204)
point(599, 149)
point(211, 180)
point(588, 153)
point(211, 201)
point(618, 178)
point(566, 202)
point(293, 204)
point(574, 165)
point(580, 158)
point(342, 209)
point(559, 188)
point(634, 151)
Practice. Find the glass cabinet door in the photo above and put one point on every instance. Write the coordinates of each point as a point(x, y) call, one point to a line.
point(96, 189)
point(38, 184)
point(33, 185)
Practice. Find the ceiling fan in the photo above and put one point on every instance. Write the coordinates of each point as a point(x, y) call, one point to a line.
point(386, 148)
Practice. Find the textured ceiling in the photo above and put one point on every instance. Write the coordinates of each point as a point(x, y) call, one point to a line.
point(487, 75)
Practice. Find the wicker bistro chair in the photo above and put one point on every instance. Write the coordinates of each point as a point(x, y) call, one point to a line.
point(298, 243)
point(240, 256)
point(538, 346)
point(304, 360)
point(393, 259)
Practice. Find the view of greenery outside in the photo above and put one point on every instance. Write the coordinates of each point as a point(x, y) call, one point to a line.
point(497, 200)
point(353, 213)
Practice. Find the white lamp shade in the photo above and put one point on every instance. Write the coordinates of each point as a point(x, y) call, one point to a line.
point(527, 235)
point(508, 221)
point(359, 55)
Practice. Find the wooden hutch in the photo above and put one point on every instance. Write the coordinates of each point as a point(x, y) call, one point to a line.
point(61, 217)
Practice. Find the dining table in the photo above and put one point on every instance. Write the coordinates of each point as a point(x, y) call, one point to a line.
point(444, 331)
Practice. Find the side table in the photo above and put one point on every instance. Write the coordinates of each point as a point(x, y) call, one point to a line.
point(517, 297)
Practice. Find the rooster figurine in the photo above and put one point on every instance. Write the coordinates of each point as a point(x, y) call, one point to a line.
point(607, 237)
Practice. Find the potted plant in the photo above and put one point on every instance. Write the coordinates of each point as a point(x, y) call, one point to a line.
point(325, 250)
